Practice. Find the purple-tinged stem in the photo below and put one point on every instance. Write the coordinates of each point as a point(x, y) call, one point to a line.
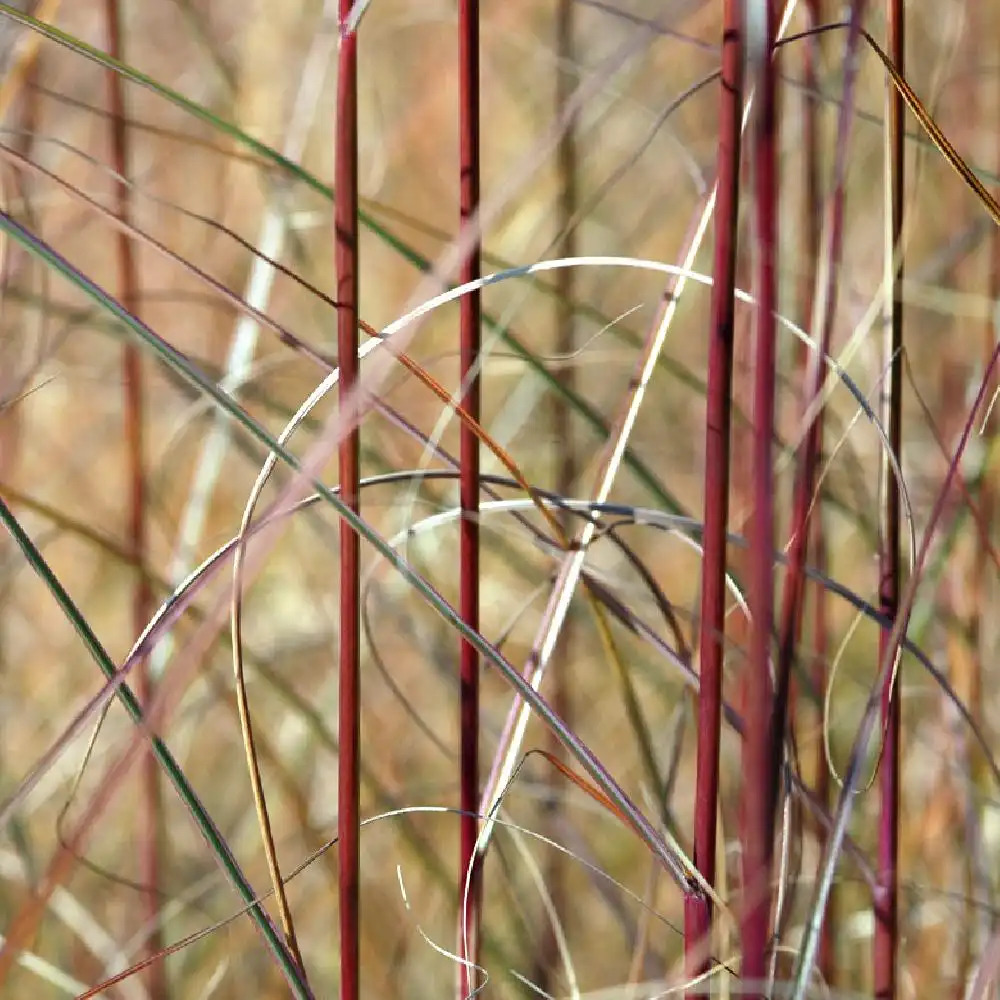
point(697, 906)
point(469, 351)
point(817, 545)
point(755, 919)
point(346, 262)
point(886, 904)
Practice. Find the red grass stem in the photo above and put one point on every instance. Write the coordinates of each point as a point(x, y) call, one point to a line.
point(697, 907)
point(755, 919)
point(346, 262)
point(886, 906)
point(470, 340)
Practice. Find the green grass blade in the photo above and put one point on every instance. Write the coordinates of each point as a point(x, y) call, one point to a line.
point(163, 755)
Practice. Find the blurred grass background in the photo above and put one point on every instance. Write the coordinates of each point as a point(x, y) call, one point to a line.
point(638, 178)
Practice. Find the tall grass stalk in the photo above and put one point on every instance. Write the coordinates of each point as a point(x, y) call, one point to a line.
point(886, 941)
point(697, 906)
point(470, 321)
point(756, 820)
point(349, 731)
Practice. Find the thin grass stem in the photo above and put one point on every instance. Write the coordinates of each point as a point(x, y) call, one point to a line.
point(886, 940)
point(347, 277)
point(756, 821)
point(718, 419)
point(470, 319)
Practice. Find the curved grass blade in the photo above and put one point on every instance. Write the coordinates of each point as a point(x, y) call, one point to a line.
point(176, 360)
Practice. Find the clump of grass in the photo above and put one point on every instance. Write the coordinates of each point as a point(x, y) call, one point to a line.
point(513, 509)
